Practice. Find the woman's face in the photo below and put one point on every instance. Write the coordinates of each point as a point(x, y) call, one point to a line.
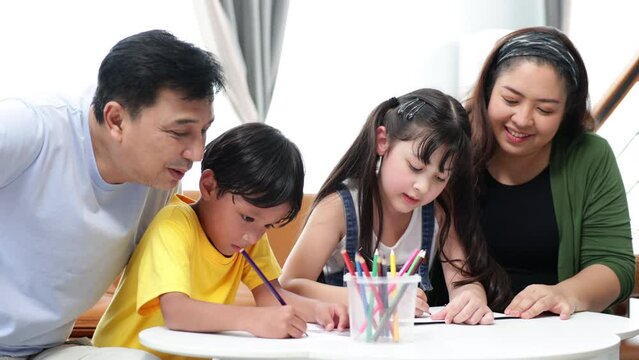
point(525, 109)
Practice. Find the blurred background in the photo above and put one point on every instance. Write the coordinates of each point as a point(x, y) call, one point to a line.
point(316, 68)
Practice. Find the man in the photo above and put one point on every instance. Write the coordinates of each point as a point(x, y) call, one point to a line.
point(81, 180)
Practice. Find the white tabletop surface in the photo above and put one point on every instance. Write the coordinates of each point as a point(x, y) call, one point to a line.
point(584, 336)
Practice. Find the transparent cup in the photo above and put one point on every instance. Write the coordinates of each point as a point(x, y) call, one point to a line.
point(382, 309)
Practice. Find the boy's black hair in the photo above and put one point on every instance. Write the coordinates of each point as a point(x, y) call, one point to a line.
point(139, 66)
point(257, 162)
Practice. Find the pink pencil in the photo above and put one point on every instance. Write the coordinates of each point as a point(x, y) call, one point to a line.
point(407, 264)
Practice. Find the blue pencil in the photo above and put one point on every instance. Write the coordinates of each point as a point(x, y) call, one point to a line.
point(264, 279)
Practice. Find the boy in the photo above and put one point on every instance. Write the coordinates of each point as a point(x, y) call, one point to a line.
point(187, 268)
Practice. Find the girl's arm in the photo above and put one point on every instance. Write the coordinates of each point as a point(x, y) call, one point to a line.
point(320, 236)
point(468, 303)
point(180, 312)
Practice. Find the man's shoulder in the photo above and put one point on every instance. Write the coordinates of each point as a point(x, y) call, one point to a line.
point(44, 100)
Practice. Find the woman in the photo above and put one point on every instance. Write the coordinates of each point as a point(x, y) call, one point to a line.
point(553, 205)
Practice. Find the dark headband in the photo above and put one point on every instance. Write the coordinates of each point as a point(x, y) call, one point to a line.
point(542, 45)
point(410, 108)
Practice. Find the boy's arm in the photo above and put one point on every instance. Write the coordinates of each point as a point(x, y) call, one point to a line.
point(330, 316)
point(182, 313)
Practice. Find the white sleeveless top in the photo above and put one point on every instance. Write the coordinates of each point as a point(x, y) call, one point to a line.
point(410, 240)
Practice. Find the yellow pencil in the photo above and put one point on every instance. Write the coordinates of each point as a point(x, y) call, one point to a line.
point(393, 270)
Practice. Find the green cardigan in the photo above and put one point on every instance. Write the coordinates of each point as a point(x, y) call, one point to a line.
point(591, 210)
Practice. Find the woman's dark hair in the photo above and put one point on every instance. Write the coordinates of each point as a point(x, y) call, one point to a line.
point(257, 162)
point(139, 66)
point(435, 121)
point(540, 45)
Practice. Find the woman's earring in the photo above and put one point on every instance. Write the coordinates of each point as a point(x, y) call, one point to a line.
point(378, 165)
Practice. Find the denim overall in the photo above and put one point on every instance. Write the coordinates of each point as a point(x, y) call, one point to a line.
point(428, 228)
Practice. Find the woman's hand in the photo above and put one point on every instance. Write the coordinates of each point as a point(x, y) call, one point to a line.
point(535, 299)
point(468, 306)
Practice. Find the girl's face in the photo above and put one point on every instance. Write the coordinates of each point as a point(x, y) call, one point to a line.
point(405, 181)
point(525, 109)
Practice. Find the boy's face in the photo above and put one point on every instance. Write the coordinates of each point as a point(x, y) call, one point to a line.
point(231, 223)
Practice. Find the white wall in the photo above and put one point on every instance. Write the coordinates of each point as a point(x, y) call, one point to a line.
point(58, 45)
point(606, 35)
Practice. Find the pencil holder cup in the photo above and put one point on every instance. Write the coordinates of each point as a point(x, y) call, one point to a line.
point(382, 309)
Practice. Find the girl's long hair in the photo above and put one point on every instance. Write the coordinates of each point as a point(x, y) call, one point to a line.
point(434, 120)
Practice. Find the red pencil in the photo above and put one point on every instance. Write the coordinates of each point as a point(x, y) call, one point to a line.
point(348, 263)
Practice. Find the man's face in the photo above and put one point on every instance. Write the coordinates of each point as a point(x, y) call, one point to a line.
point(163, 141)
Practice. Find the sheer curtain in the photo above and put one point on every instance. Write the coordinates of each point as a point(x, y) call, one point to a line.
point(247, 37)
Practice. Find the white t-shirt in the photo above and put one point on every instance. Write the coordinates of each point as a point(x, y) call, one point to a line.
point(65, 233)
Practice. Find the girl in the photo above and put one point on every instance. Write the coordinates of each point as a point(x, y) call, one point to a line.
point(403, 184)
point(569, 248)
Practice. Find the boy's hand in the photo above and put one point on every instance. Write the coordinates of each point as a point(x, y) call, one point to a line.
point(278, 322)
point(468, 306)
point(421, 304)
point(331, 316)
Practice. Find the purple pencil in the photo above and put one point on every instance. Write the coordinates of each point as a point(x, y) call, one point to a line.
point(261, 275)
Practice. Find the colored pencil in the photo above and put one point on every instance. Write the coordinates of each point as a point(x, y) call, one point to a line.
point(360, 263)
point(348, 263)
point(393, 270)
point(397, 298)
point(411, 261)
point(408, 263)
point(261, 275)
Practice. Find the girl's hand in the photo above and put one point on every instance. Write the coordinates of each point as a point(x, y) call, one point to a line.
point(468, 306)
point(332, 316)
point(535, 299)
point(277, 322)
point(421, 304)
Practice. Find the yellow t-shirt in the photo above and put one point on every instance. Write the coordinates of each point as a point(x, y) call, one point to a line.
point(175, 255)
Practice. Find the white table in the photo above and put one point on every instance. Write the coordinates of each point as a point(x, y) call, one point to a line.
point(585, 336)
